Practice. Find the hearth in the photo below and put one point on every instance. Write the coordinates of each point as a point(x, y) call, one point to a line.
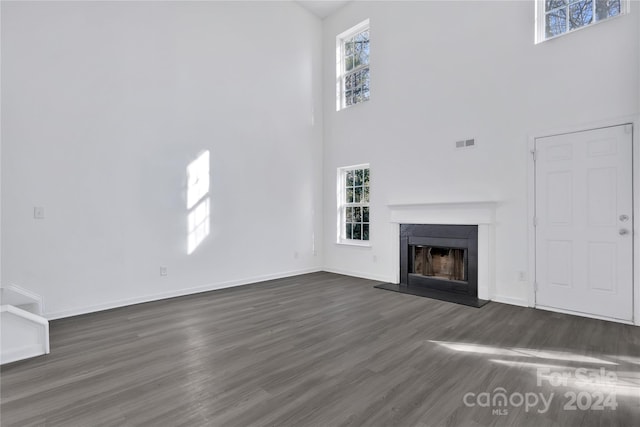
point(439, 261)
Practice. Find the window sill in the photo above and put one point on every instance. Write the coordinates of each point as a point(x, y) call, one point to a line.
point(346, 107)
point(543, 38)
point(359, 243)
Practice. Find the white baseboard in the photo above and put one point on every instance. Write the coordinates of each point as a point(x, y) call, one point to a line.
point(246, 281)
point(22, 353)
point(176, 293)
point(359, 274)
point(521, 302)
point(591, 316)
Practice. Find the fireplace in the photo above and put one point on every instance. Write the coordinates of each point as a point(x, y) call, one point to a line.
point(439, 261)
point(440, 257)
point(445, 250)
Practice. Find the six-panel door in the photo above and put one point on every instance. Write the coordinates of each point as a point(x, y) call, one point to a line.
point(584, 207)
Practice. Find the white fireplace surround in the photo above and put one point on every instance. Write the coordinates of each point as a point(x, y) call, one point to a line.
point(480, 213)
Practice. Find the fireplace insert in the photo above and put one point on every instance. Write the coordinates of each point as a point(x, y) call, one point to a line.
point(440, 257)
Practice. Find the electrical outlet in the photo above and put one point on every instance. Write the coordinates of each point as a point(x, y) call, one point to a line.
point(375, 258)
point(296, 255)
point(163, 271)
point(522, 276)
point(38, 212)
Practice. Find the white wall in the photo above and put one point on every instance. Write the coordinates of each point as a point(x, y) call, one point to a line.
point(1, 133)
point(445, 71)
point(105, 104)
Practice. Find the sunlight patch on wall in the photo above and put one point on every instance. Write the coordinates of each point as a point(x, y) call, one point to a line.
point(197, 179)
point(198, 201)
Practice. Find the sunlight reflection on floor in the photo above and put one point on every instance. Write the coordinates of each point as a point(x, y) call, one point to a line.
point(521, 352)
point(570, 374)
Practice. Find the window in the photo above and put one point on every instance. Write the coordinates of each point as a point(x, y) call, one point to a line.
point(352, 54)
point(556, 17)
point(353, 204)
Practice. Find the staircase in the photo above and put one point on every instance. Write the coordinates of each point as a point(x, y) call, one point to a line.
point(24, 333)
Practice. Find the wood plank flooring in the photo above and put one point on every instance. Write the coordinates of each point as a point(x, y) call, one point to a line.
point(322, 350)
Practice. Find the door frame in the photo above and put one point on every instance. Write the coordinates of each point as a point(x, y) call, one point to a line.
point(634, 121)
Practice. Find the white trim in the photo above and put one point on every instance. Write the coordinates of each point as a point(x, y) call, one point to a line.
point(616, 121)
point(24, 297)
point(474, 212)
point(342, 205)
point(577, 313)
point(361, 26)
point(480, 213)
point(636, 215)
point(521, 302)
point(358, 243)
point(25, 292)
point(360, 275)
point(178, 293)
point(539, 22)
point(539, 36)
point(340, 71)
point(17, 354)
point(395, 248)
point(42, 347)
point(486, 266)
point(24, 314)
point(531, 212)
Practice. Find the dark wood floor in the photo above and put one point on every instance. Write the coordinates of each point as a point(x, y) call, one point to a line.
point(320, 350)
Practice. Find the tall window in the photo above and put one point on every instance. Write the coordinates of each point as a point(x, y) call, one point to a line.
point(353, 203)
point(352, 52)
point(556, 17)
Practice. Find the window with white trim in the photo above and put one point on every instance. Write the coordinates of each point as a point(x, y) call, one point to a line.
point(557, 17)
point(353, 204)
point(352, 69)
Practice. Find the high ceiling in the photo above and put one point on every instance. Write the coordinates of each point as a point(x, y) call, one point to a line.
point(322, 8)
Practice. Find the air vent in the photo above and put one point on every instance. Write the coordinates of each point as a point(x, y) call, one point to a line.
point(466, 143)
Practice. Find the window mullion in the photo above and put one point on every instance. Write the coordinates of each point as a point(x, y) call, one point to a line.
point(543, 16)
point(349, 226)
point(351, 38)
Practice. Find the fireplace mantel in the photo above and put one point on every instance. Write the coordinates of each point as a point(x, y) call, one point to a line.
point(480, 213)
point(469, 213)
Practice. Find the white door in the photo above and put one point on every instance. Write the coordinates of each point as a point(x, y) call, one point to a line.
point(584, 222)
